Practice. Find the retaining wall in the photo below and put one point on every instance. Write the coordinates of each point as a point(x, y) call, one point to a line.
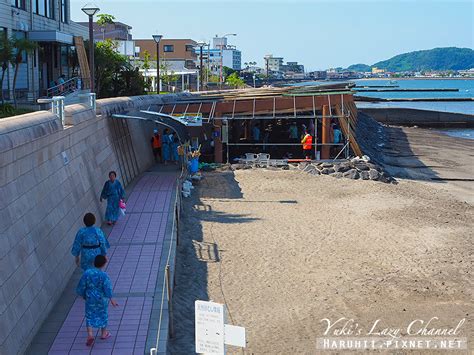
point(421, 118)
point(50, 176)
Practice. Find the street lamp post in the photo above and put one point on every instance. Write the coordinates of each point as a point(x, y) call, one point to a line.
point(90, 10)
point(201, 76)
point(222, 56)
point(157, 39)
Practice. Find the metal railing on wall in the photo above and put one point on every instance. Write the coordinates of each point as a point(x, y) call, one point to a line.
point(65, 88)
point(57, 106)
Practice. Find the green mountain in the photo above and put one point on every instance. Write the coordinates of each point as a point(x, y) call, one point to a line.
point(359, 67)
point(449, 58)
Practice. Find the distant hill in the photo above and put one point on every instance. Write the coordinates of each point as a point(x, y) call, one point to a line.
point(449, 58)
point(359, 67)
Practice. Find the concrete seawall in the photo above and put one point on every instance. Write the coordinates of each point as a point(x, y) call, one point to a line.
point(50, 175)
point(421, 118)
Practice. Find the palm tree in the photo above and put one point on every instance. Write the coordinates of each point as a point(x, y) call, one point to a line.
point(20, 47)
point(6, 57)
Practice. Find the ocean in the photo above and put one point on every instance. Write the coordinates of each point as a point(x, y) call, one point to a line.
point(465, 86)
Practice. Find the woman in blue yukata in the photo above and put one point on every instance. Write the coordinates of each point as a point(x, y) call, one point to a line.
point(90, 241)
point(113, 192)
point(166, 146)
point(96, 289)
point(174, 149)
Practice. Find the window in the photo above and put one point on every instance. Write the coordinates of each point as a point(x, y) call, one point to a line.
point(6, 81)
point(20, 4)
point(45, 7)
point(63, 11)
point(189, 48)
point(168, 48)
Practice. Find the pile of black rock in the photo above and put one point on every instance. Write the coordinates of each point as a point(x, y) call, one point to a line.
point(356, 168)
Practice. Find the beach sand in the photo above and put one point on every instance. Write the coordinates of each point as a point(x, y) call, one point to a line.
point(284, 250)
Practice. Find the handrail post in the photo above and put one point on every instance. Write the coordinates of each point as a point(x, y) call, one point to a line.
point(57, 106)
point(170, 301)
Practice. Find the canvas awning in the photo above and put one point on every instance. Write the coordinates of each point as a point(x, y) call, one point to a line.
point(51, 36)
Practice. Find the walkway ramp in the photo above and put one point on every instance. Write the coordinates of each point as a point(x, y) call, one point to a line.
point(138, 245)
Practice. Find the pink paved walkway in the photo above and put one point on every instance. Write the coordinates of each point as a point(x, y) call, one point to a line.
point(134, 258)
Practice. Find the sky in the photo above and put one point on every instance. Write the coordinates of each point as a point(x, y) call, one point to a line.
point(320, 34)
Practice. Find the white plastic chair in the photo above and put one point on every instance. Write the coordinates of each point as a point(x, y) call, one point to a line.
point(250, 159)
point(263, 159)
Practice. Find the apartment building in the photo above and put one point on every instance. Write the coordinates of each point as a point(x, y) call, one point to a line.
point(177, 53)
point(48, 23)
point(118, 32)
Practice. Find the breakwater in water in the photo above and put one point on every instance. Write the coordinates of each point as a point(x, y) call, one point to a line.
point(421, 118)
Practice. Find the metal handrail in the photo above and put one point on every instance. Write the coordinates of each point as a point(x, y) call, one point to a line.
point(89, 99)
point(57, 106)
point(68, 87)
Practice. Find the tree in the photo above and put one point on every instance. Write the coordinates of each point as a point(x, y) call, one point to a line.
point(104, 20)
point(168, 76)
point(146, 65)
point(22, 47)
point(235, 81)
point(115, 76)
point(6, 57)
point(226, 71)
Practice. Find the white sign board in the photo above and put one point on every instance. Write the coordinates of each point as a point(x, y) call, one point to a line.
point(234, 335)
point(209, 318)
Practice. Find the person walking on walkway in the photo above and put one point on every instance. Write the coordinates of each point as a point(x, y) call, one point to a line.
point(307, 143)
point(156, 145)
point(166, 146)
point(174, 148)
point(113, 192)
point(90, 241)
point(96, 289)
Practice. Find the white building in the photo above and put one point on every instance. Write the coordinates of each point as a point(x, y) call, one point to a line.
point(47, 23)
point(221, 53)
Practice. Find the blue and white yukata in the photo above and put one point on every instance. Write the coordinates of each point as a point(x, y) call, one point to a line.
point(174, 150)
point(95, 287)
point(166, 147)
point(112, 192)
point(89, 242)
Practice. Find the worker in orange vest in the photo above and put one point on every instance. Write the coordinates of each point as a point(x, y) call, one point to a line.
point(307, 143)
point(156, 145)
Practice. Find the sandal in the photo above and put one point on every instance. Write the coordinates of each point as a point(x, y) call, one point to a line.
point(106, 336)
point(90, 341)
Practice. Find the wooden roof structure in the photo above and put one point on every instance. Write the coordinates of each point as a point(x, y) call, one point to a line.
point(272, 103)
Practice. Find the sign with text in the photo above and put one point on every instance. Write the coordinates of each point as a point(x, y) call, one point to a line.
point(209, 319)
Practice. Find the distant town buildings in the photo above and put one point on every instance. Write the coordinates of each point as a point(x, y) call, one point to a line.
point(179, 54)
point(376, 70)
point(118, 32)
point(275, 67)
point(221, 53)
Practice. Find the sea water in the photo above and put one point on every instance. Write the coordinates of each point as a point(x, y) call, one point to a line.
point(465, 87)
point(459, 133)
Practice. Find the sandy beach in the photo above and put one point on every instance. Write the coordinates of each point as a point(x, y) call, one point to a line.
point(284, 250)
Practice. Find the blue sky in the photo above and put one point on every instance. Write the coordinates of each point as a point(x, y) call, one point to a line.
point(319, 34)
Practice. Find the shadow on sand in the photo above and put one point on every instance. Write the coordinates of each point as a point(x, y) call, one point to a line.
point(194, 253)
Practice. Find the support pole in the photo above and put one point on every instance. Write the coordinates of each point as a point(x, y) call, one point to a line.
point(326, 124)
point(91, 53)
